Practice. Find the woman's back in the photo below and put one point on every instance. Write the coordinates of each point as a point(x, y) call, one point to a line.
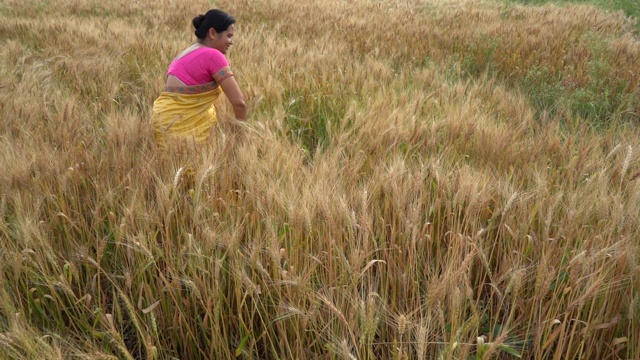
point(200, 66)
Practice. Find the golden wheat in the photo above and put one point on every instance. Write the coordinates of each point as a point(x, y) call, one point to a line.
point(397, 190)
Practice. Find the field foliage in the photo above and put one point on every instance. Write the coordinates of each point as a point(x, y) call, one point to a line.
point(445, 179)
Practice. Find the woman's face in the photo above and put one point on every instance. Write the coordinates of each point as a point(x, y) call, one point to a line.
point(223, 41)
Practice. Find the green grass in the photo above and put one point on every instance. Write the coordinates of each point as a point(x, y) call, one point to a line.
point(631, 8)
point(592, 88)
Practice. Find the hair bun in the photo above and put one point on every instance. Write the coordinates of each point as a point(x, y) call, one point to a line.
point(197, 21)
point(214, 19)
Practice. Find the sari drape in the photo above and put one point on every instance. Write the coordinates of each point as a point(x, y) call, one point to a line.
point(184, 115)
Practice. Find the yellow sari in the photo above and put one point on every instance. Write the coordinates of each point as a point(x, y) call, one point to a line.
point(184, 115)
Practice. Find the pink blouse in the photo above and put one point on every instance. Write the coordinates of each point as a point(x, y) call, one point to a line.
point(201, 66)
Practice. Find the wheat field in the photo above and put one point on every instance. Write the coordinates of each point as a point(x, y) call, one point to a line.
point(418, 179)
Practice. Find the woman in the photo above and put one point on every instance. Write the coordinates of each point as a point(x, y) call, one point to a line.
point(184, 112)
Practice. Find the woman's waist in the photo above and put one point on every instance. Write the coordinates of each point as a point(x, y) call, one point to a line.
point(192, 89)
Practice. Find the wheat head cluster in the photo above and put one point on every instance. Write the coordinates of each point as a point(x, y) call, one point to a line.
point(417, 179)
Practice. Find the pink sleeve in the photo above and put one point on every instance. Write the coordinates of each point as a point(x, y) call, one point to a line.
point(219, 66)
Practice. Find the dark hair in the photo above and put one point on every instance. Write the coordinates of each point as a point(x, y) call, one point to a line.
point(217, 19)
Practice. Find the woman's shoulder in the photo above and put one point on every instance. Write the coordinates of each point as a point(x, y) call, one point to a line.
point(215, 53)
point(214, 58)
point(204, 51)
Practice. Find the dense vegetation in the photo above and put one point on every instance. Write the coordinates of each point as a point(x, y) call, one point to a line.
point(442, 179)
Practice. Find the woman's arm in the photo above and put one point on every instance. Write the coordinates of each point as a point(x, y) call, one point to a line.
point(234, 94)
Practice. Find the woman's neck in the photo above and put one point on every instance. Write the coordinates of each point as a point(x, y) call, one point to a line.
point(205, 42)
